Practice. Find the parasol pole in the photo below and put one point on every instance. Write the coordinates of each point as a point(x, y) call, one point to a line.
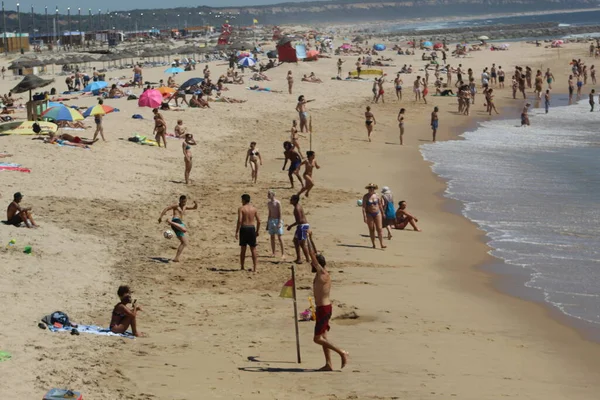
point(293, 267)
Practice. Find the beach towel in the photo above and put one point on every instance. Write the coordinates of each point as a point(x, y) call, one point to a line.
point(4, 356)
point(300, 51)
point(18, 169)
point(92, 329)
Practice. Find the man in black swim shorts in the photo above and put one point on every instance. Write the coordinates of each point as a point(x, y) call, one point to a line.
point(246, 230)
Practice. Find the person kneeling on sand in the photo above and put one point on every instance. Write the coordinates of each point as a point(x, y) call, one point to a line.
point(15, 214)
point(122, 316)
point(403, 217)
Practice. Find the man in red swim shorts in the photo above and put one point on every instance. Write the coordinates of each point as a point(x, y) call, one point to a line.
point(321, 289)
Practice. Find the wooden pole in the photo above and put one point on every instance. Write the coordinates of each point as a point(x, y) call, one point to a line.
point(310, 133)
point(296, 314)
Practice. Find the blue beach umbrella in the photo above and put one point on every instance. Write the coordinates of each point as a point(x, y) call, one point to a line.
point(247, 62)
point(191, 82)
point(379, 47)
point(94, 87)
point(427, 44)
point(173, 70)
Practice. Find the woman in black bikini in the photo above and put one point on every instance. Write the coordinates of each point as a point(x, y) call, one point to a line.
point(369, 121)
point(123, 316)
point(372, 209)
point(187, 155)
point(160, 129)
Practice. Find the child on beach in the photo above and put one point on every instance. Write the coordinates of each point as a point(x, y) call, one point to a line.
point(309, 164)
point(253, 156)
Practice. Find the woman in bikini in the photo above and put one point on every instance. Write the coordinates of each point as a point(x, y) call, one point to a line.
point(294, 137)
point(369, 121)
point(122, 316)
point(187, 155)
point(253, 155)
point(160, 129)
point(401, 125)
point(290, 80)
point(372, 209)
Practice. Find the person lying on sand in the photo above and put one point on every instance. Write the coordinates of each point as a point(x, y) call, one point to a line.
point(15, 214)
point(403, 217)
point(199, 102)
point(224, 99)
point(72, 124)
point(311, 79)
point(122, 316)
point(67, 140)
point(259, 76)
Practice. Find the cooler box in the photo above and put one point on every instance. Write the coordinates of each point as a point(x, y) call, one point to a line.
point(57, 394)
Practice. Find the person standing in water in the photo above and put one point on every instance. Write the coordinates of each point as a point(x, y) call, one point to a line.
point(525, 115)
point(177, 224)
point(246, 231)
point(321, 291)
point(275, 222)
point(549, 78)
point(187, 155)
point(592, 101)
point(434, 122)
point(253, 156)
point(369, 122)
point(401, 125)
point(310, 163)
point(547, 100)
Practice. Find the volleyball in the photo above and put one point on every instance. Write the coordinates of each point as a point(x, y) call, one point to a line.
point(168, 234)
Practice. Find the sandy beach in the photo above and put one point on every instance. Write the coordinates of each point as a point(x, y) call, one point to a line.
point(430, 323)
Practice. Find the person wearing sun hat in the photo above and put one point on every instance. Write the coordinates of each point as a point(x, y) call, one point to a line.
point(372, 209)
point(15, 214)
point(389, 215)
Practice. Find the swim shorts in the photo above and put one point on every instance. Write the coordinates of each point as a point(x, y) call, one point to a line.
point(275, 226)
point(248, 236)
point(295, 165)
point(15, 220)
point(178, 233)
point(322, 319)
point(435, 124)
point(302, 232)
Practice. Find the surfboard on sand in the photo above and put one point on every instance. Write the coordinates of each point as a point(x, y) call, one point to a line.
point(26, 127)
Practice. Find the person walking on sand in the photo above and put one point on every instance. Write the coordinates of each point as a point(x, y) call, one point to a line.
point(246, 231)
point(275, 222)
point(324, 311)
point(302, 113)
point(369, 122)
point(187, 155)
point(417, 88)
point(290, 81)
point(358, 67)
point(403, 218)
point(339, 67)
point(549, 78)
point(294, 135)
point(99, 127)
point(380, 91)
point(547, 100)
point(122, 316)
point(389, 216)
point(302, 229)
point(401, 125)
point(398, 85)
point(295, 159)
point(490, 102)
point(310, 163)
point(592, 101)
point(176, 223)
point(434, 122)
point(372, 209)
point(253, 156)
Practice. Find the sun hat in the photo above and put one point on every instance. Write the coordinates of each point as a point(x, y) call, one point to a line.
point(371, 185)
point(385, 189)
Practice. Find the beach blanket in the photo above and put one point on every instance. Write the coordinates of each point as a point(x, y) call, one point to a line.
point(94, 330)
point(66, 128)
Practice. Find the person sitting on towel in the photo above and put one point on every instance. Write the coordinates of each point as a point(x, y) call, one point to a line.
point(16, 215)
point(123, 316)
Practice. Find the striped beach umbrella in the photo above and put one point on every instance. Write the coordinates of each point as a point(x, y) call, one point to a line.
point(62, 113)
point(98, 109)
point(247, 62)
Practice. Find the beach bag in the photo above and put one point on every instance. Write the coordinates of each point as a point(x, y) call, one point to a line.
point(36, 128)
point(57, 317)
point(390, 212)
point(132, 97)
point(137, 116)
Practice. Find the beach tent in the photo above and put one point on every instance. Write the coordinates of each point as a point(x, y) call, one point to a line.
point(285, 51)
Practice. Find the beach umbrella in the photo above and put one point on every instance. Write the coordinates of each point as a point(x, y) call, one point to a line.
point(31, 82)
point(62, 113)
point(190, 82)
point(95, 86)
point(427, 44)
point(166, 91)
point(379, 47)
point(247, 62)
point(438, 46)
point(483, 38)
point(150, 98)
point(173, 70)
point(98, 109)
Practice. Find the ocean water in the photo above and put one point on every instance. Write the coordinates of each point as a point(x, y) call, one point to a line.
point(564, 19)
point(536, 193)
